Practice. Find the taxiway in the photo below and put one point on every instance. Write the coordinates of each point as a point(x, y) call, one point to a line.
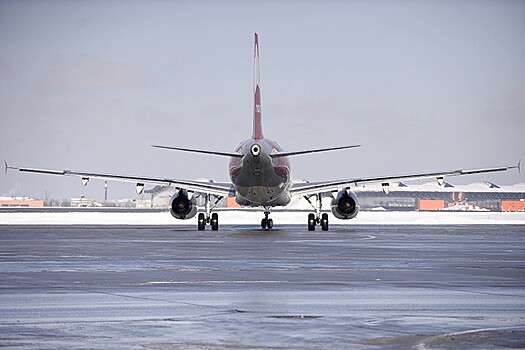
point(163, 287)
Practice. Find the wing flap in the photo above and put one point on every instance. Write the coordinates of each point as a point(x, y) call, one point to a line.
point(304, 189)
point(218, 189)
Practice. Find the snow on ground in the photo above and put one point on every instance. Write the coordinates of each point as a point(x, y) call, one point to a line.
point(234, 217)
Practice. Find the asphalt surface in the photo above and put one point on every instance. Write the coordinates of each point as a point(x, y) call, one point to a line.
point(367, 287)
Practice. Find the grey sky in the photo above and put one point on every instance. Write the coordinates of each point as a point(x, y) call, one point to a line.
point(422, 85)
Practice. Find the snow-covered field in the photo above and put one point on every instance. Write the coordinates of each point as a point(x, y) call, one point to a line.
point(234, 217)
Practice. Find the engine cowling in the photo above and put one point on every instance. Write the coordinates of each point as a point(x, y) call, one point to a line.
point(345, 205)
point(182, 207)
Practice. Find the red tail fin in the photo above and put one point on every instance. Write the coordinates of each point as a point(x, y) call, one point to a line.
point(257, 122)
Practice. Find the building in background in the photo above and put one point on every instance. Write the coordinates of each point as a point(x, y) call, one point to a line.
point(480, 196)
point(85, 202)
point(20, 202)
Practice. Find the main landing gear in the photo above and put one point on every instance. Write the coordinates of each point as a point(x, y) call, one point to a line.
point(322, 221)
point(317, 218)
point(209, 217)
point(213, 221)
point(266, 223)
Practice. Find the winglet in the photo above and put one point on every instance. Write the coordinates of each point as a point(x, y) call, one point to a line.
point(519, 166)
point(7, 167)
point(257, 122)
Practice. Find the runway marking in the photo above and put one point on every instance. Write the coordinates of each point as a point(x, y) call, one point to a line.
point(206, 282)
point(295, 317)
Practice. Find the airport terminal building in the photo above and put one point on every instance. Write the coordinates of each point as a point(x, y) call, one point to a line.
point(484, 196)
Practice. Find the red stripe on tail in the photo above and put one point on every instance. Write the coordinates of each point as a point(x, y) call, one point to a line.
point(257, 122)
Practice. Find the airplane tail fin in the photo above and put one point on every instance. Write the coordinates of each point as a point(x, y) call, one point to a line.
point(257, 122)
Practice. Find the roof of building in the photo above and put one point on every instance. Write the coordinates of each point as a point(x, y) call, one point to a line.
point(447, 187)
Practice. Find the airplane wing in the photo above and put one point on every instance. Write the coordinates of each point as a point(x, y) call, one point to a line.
point(310, 188)
point(218, 189)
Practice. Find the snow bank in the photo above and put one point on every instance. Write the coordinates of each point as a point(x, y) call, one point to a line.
point(233, 217)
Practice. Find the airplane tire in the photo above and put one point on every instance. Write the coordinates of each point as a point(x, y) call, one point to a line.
point(267, 224)
point(201, 222)
point(311, 222)
point(214, 221)
point(324, 222)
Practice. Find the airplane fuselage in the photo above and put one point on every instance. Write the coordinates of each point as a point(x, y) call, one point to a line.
point(258, 178)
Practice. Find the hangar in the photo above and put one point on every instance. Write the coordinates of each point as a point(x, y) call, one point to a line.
point(431, 196)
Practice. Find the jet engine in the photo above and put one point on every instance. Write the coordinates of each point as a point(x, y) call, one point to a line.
point(182, 207)
point(344, 205)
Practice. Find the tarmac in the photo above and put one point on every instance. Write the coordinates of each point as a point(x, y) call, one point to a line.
point(173, 287)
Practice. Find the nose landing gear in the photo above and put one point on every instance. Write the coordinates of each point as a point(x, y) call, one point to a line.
point(266, 223)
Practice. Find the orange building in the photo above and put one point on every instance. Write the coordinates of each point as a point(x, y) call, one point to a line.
point(513, 205)
point(430, 204)
point(231, 203)
point(20, 202)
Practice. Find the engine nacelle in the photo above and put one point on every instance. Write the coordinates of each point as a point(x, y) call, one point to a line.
point(345, 205)
point(182, 207)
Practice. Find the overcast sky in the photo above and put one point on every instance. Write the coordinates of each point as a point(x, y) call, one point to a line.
point(422, 85)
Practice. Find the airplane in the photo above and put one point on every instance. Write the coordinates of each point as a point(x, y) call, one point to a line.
point(260, 175)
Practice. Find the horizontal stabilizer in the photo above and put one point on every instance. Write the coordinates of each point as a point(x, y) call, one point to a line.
point(286, 154)
point(225, 154)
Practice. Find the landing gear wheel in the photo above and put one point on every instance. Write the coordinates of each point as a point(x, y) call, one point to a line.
point(214, 222)
point(201, 222)
point(324, 222)
point(267, 224)
point(311, 222)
